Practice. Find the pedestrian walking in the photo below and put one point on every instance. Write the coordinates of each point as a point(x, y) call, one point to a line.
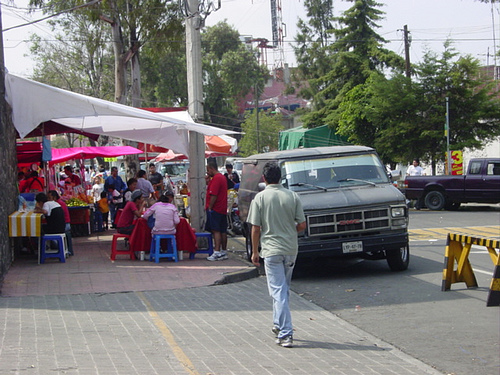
point(277, 217)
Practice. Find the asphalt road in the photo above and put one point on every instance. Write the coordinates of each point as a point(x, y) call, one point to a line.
point(453, 331)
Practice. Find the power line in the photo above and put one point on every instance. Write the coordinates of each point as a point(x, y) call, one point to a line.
point(92, 2)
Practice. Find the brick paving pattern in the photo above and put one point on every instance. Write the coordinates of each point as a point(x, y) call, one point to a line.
point(92, 316)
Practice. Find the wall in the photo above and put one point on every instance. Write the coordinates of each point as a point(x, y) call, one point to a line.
point(8, 177)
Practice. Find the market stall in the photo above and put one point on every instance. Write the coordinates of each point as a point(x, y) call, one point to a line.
point(80, 204)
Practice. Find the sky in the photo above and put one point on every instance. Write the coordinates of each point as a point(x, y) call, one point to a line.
point(430, 22)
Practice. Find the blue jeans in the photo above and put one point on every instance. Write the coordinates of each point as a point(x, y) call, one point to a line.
point(279, 269)
point(112, 210)
point(69, 239)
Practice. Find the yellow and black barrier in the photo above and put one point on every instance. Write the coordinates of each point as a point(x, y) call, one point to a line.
point(457, 249)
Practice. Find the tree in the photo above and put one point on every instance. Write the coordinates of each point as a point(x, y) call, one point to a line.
point(355, 53)
point(142, 20)
point(404, 119)
point(164, 74)
point(382, 113)
point(312, 45)
point(268, 132)
point(230, 71)
point(474, 106)
point(82, 63)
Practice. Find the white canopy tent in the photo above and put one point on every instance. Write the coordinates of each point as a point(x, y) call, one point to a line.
point(34, 103)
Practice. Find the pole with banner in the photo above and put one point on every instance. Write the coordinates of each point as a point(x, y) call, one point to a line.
point(447, 134)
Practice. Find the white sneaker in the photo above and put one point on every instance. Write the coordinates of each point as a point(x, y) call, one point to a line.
point(217, 255)
point(286, 342)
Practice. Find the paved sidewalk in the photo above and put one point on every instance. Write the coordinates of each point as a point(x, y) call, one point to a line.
point(91, 271)
point(141, 318)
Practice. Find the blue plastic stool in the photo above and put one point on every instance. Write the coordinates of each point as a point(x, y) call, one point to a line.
point(154, 252)
point(209, 250)
point(97, 224)
point(61, 244)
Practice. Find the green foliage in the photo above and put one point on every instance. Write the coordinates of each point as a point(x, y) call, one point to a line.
point(59, 141)
point(404, 119)
point(312, 45)
point(82, 63)
point(473, 105)
point(268, 133)
point(356, 52)
point(163, 67)
point(230, 71)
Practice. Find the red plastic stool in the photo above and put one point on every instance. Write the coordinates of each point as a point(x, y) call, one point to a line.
point(115, 251)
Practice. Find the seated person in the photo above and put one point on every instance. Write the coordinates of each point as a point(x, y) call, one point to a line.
point(53, 195)
point(165, 213)
point(131, 212)
point(53, 213)
point(131, 187)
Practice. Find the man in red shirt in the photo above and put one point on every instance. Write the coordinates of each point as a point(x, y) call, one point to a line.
point(216, 207)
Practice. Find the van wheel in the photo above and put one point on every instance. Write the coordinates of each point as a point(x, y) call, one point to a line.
point(398, 259)
point(434, 200)
point(248, 247)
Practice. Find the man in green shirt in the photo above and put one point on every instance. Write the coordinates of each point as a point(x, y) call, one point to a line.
point(276, 216)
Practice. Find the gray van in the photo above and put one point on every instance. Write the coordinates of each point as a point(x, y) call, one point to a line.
point(352, 209)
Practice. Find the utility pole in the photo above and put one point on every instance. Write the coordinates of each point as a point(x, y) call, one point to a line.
point(197, 183)
point(447, 129)
point(257, 124)
point(407, 51)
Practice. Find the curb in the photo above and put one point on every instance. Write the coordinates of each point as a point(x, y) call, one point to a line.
point(248, 271)
point(237, 276)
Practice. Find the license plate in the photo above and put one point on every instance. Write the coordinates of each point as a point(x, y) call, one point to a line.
point(352, 247)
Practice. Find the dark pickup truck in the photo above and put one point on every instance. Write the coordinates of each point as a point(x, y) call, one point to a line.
point(481, 184)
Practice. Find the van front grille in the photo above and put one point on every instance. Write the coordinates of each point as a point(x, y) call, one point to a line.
point(348, 222)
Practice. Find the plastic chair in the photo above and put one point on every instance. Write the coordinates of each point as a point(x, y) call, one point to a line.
point(171, 253)
point(115, 251)
point(97, 224)
point(62, 247)
point(209, 250)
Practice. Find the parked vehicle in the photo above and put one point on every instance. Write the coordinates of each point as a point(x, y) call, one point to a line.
point(481, 184)
point(352, 209)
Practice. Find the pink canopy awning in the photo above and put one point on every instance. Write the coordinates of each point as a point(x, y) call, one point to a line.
point(60, 155)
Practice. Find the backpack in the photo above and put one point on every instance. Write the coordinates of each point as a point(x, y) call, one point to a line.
point(31, 189)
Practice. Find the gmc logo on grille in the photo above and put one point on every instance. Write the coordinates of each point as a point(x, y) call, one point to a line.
point(347, 222)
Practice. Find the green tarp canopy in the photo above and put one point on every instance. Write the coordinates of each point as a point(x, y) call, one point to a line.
point(304, 137)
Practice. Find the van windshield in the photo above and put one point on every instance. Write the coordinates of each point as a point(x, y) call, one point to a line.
point(176, 171)
point(333, 172)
